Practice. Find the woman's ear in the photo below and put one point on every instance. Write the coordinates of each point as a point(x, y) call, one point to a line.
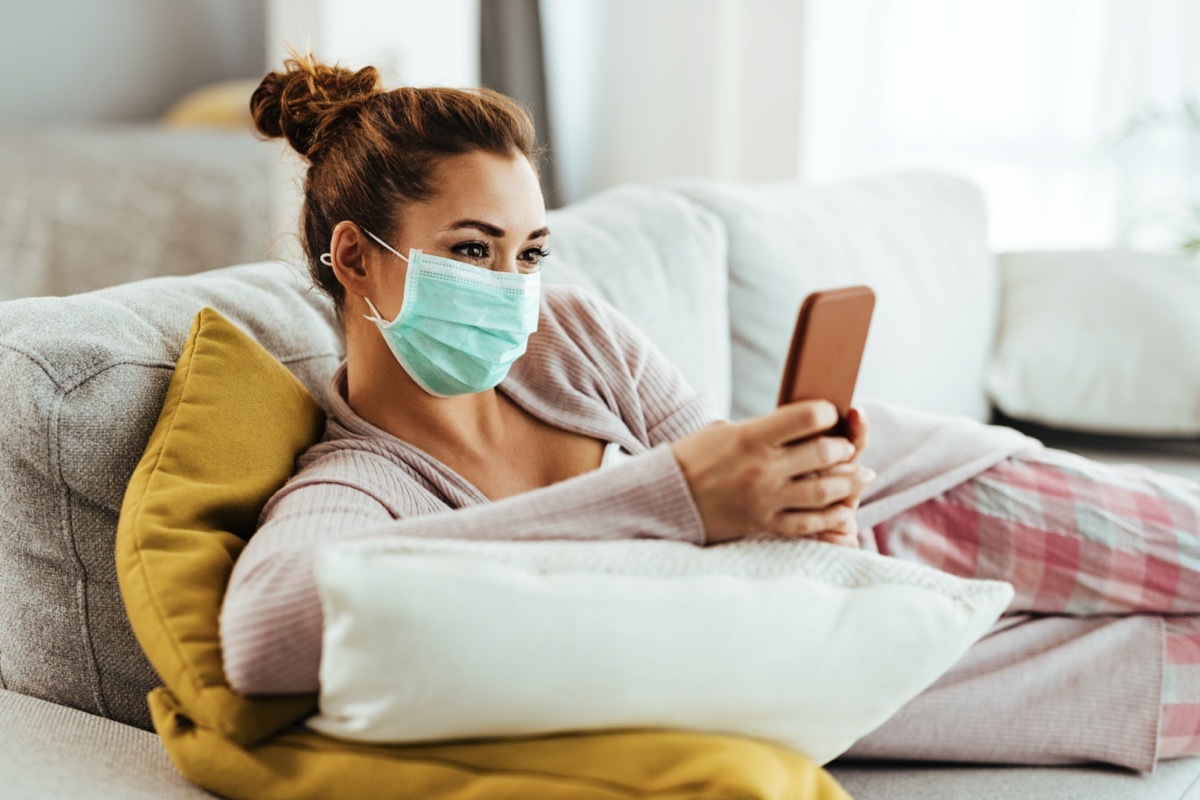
point(347, 252)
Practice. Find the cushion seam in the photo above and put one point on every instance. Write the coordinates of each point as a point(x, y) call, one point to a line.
point(41, 363)
point(67, 531)
point(80, 379)
point(74, 380)
point(53, 438)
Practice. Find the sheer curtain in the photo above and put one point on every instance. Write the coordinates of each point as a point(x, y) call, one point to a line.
point(1028, 98)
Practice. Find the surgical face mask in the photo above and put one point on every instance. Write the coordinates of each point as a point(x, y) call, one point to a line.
point(460, 327)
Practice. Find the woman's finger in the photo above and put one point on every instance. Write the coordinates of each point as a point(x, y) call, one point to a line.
point(791, 422)
point(816, 454)
point(823, 490)
point(809, 523)
point(857, 429)
point(841, 539)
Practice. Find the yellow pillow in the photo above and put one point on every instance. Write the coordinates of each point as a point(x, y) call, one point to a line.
point(232, 424)
point(216, 105)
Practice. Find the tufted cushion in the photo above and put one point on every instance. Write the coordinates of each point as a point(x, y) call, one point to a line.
point(84, 379)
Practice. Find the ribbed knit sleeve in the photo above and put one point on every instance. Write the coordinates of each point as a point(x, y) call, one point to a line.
point(661, 406)
point(271, 619)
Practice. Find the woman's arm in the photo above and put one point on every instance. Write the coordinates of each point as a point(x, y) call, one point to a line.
point(271, 618)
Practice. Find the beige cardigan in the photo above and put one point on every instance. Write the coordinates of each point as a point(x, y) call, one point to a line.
point(589, 370)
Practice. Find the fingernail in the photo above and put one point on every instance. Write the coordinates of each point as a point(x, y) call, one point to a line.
point(869, 475)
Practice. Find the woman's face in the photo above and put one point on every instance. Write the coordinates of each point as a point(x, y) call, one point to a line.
point(488, 212)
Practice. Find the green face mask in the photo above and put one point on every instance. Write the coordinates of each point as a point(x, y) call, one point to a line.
point(460, 327)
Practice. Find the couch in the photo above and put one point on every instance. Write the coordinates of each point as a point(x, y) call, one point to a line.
point(91, 205)
point(713, 272)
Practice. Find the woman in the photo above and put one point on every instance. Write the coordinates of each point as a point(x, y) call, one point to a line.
point(473, 403)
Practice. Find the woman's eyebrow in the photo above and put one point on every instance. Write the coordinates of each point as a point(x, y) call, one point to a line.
point(491, 230)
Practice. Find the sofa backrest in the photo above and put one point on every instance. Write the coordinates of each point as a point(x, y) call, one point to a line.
point(85, 377)
point(918, 239)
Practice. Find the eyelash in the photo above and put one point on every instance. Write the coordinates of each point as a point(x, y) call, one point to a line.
point(539, 252)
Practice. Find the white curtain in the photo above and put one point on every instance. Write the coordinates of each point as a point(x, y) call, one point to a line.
point(1028, 98)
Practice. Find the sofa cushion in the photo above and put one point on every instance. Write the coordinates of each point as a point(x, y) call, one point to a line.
point(87, 206)
point(230, 428)
point(85, 377)
point(917, 239)
point(659, 259)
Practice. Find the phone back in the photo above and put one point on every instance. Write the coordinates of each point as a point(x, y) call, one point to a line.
point(827, 347)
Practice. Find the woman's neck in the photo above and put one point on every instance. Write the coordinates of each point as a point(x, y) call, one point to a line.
point(380, 391)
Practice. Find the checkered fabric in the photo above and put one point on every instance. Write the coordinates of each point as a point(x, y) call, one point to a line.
point(1079, 537)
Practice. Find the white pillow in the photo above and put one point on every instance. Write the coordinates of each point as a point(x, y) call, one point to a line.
point(917, 239)
point(802, 643)
point(1101, 341)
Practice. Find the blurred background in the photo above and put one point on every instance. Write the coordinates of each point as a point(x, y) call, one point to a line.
point(127, 135)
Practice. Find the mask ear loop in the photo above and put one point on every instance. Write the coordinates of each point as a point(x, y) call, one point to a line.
point(384, 244)
point(378, 317)
point(327, 258)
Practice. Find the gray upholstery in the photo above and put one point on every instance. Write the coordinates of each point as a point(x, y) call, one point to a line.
point(84, 379)
point(47, 751)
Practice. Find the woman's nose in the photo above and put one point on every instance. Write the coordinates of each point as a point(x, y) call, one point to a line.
point(507, 264)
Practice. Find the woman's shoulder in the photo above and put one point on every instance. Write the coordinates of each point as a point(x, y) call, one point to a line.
point(581, 316)
point(566, 301)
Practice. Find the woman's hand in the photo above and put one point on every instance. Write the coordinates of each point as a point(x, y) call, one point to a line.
point(777, 474)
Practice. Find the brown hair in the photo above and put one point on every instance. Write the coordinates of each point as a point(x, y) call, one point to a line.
point(372, 151)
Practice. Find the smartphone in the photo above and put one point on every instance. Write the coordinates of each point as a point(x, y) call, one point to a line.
point(827, 348)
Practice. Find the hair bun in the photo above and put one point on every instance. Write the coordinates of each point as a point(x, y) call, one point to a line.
point(303, 102)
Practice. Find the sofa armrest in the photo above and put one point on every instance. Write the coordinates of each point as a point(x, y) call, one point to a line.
point(1099, 341)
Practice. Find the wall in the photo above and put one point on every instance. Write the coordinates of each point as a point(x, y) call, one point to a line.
point(411, 42)
point(647, 90)
point(120, 59)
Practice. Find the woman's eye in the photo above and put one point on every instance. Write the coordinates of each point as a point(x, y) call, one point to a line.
point(472, 250)
point(534, 255)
